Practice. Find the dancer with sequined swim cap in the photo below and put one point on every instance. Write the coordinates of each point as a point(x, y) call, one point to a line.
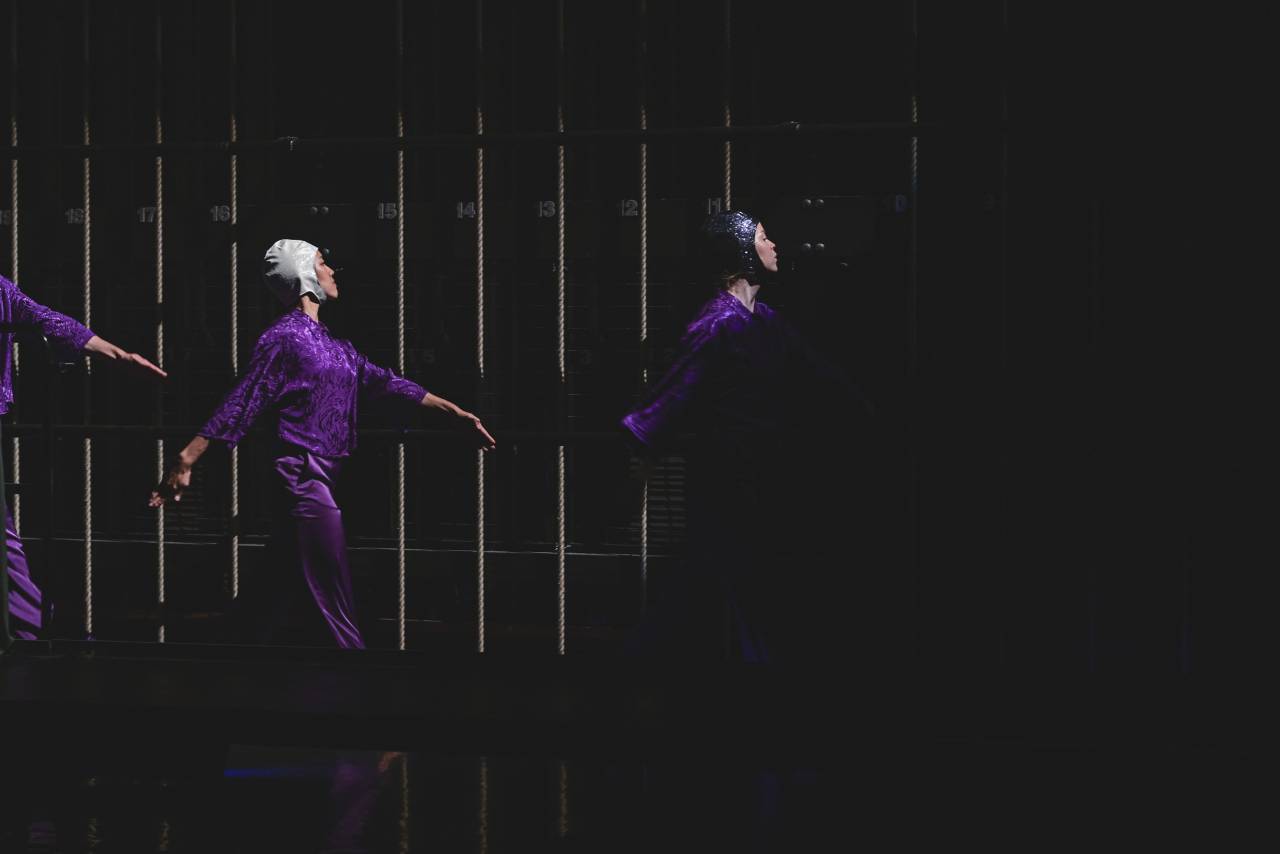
point(728, 387)
point(17, 309)
point(310, 384)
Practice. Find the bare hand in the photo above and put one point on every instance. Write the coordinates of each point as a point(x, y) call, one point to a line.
point(177, 480)
point(107, 350)
point(465, 419)
point(482, 436)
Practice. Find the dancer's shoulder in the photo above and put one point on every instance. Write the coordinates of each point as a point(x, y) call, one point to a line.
point(721, 315)
point(287, 330)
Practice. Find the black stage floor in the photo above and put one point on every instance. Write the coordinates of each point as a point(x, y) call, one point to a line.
point(144, 747)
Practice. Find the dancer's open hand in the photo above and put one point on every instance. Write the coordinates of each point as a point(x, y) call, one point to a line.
point(107, 350)
point(482, 436)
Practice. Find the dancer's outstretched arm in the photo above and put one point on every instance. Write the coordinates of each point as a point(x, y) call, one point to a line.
point(256, 392)
point(62, 330)
point(465, 419)
point(105, 349)
point(379, 382)
point(179, 476)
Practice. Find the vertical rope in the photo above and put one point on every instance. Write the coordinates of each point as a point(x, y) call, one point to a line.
point(915, 144)
point(560, 335)
point(400, 361)
point(233, 135)
point(484, 806)
point(1006, 397)
point(13, 234)
point(88, 321)
point(404, 804)
point(480, 455)
point(913, 332)
point(728, 115)
point(644, 285)
point(160, 459)
point(563, 823)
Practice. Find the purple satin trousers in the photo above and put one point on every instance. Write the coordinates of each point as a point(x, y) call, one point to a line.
point(302, 591)
point(308, 542)
point(307, 558)
point(24, 596)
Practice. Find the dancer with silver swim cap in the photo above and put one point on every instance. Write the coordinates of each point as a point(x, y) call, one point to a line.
point(309, 384)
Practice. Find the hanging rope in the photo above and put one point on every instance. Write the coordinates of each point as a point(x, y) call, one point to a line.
point(484, 806)
point(563, 824)
point(160, 458)
point(480, 345)
point(88, 321)
point(404, 804)
point(561, 580)
point(728, 115)
point(233, 134)
point(13, 234)
point(401, 590)
point(644, 290)
point(915, 145)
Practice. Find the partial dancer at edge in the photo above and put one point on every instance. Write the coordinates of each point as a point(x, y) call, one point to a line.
point(309, 382)
point(731, 387)
point(67, 334)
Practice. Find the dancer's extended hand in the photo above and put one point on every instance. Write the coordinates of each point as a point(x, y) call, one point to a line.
point(107, 350)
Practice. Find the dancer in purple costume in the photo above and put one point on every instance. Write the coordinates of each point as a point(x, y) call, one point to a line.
point(730, 387)
point(309, 382)
point(67, 334)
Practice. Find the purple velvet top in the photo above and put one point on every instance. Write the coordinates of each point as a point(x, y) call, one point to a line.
point(309, 381)
point(727, 378)
point(18, 308)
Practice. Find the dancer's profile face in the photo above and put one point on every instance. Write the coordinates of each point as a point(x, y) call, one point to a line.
point(766, 249)
point(325, 275)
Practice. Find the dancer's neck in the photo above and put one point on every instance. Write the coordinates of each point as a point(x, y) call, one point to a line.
point(310, 308)
point(744, 291)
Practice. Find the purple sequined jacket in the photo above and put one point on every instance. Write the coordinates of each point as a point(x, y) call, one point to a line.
point(19, 309)
point(309, 382)
point(725, 380)
point(730, 381)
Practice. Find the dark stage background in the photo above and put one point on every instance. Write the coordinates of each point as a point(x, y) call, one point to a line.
point(1010, 507)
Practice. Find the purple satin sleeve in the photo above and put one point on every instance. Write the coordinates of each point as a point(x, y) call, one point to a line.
point(17, 308)
point(57, 327)
point(669, 401)
point(377, 381)
point(257, 391)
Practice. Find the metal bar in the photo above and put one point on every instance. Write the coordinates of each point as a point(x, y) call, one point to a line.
point(293, 143)
point(562, 437)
